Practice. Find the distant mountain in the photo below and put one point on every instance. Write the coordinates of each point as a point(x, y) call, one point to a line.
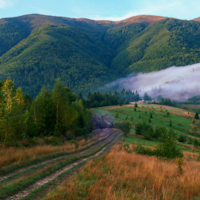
point(85, 54)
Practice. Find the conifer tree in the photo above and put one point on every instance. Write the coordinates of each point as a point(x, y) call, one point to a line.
point(196, 115)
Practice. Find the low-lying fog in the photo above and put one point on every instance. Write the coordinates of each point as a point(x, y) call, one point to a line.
point(178, 83)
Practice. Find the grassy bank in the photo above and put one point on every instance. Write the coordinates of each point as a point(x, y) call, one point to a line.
point(139, 177)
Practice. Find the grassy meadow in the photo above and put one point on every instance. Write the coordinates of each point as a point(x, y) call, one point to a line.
point(120, 175)
point(181, 120)
point(126, 175)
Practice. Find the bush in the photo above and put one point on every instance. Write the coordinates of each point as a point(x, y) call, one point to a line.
point(182, 138)
point(168, 114)
point(125, 127)
point(196, 143)
point(144, 151)
point(168, 147)
point(148, 135)
point(159, 130)
point(144, 129)
point(189, 140)
point(141, 128)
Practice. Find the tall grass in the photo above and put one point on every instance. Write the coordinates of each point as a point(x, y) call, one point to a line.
point(12, 155)
point(119, 175)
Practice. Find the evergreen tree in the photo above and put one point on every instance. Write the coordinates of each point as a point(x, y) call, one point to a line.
point(136, 105)
point(196, 115)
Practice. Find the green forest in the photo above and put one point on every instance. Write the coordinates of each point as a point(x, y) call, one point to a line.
point(85, 54)
point(57, 114)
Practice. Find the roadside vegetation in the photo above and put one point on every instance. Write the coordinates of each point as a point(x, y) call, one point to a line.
point(122, 175)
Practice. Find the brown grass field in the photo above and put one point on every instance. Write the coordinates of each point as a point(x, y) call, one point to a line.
point(12, 155)
point(123, 176)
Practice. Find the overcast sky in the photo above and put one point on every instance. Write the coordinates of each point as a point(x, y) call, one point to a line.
point(102, 9)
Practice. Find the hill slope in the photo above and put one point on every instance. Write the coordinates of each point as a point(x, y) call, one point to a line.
point(84, 54)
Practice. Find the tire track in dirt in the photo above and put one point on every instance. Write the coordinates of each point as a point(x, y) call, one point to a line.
point(21, 171)
point(53, 176)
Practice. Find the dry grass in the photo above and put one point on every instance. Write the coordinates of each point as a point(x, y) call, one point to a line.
point(119, 175)
point(12, 155)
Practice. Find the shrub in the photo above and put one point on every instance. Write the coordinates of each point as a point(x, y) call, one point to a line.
point(168, 114)
point(189, 140)
point(144, 129)
point(196, 143)
point(182, 138)
point(168, 147)
point(125, 127)
point(144, 151)
point(159, 130)
point(148, 135)
point(141, 128)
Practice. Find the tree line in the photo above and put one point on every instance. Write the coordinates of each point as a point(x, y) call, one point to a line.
point(98, 99)
point(57, 113)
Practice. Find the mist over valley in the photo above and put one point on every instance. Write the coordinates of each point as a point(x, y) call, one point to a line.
point(177, 83)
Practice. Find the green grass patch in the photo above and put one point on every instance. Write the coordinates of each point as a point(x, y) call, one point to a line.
point(133, 139)
point(156, 118)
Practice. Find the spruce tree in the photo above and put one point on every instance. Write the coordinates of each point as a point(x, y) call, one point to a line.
point(196, 115)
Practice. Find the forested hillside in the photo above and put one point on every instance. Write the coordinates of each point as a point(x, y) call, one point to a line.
point(85, 54)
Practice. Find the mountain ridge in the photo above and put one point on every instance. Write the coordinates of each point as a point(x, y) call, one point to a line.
point(85, 54)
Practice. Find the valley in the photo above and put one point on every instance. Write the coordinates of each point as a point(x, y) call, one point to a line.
point(99, 109)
